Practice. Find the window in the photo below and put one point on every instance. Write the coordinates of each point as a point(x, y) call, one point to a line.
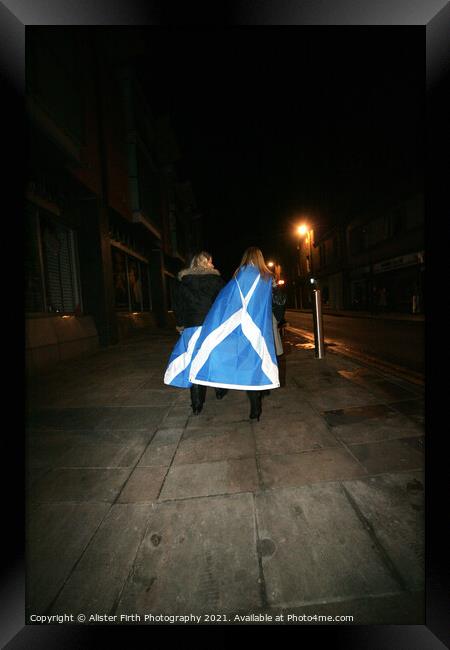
point(59, 261)
point(51, 272)
point(131, 282)
point(134, 283)
point(119, 264)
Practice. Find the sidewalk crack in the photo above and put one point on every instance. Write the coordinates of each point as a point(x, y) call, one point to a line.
point(261, 580)
point(386, 559)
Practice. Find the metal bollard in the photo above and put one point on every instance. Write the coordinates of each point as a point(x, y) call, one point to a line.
point(318, 324)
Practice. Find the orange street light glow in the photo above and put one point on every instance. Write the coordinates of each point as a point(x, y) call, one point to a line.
point(270, 264)
point(302, 230)
point(280, 281)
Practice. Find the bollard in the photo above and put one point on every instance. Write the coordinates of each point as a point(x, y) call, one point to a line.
point(318, 324)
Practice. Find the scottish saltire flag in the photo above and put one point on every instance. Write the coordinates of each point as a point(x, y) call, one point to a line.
point(177, 372)
point(235, 348)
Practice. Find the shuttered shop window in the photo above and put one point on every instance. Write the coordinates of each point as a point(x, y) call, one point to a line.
point(34, 288)
point(58, 247)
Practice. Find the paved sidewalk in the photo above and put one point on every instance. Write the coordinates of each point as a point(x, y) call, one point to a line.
point(136, 507)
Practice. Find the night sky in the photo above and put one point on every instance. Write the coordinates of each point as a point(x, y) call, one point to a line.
point(279, 125)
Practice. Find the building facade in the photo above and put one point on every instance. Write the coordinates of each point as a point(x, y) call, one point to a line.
point(375, 262)
point(107, 226)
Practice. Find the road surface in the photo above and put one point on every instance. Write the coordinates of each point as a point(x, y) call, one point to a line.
point(398, 342)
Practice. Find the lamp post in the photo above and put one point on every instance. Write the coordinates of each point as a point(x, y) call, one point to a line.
point(316, 299)
point(301, 231)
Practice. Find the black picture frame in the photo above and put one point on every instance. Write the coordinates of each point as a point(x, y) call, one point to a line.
point(434, 16)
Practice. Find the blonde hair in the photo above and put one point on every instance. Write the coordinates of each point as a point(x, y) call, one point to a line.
point(200, 260)
point(255, 257)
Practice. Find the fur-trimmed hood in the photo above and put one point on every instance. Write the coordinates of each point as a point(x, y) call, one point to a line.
point(199, 270)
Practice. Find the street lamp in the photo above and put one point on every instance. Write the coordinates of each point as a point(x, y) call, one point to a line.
point(316, 299)
point(304, 230)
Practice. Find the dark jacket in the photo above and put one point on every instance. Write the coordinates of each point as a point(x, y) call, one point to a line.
point(278, 303)
point(195, 292)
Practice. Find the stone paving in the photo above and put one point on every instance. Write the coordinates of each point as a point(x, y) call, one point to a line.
point(135, 506)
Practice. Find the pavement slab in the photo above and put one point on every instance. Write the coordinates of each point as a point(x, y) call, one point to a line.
point(198, 556)
point(57, 534)
point(237, 444)
point(205, 479)
point(67, 418)
point(80, 485)
point(143, 485)
point(46, 452)
point(320, 381)
point(158, 454)
point(149, 397)
point(195, 429)
point(393, 504)
point(156, 382)
point(309, 467)
point(377, 429)
point(211, 417)
point(358, 414)
point(101, 455)
point(292, 436)
point(95, 398)
point(333, 398)
point(286, 402)
point(97, 581)
point(388, 456)
point(175, 419)
point(315, 548)
point(414, 409)
point(132, 417)
point(405, 608)
point(385, 390)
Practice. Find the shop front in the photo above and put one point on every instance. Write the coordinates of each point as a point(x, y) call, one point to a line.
point(398, 284)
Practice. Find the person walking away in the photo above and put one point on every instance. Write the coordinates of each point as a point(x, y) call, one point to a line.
point(194, 293)
point(278, 311)
point(236, 349)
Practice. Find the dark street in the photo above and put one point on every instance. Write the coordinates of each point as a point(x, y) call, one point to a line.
point(400, 341)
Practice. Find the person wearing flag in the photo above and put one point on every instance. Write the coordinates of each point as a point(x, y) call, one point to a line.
point(235, 347)
point(194, 293)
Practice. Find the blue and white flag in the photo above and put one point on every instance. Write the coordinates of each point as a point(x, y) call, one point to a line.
point(178, 368)
point(235, 347)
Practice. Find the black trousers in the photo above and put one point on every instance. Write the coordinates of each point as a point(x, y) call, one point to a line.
point(198, 394)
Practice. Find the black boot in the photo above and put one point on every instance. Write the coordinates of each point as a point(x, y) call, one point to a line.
point(255, 404)
point(198, 394)
point(221, 392)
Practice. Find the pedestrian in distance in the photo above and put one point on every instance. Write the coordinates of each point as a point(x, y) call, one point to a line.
point(194, 293)
point(278, 311)
point(235, 348)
